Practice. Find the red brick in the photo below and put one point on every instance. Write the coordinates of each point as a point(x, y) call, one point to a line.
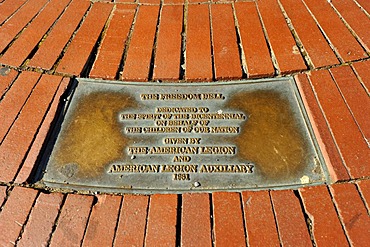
point(169, 44)
point(326, 227)
point(79, 50)
point(195, 220)
point(14, 214)
point(150, 1)
point(35, 149)
point(52, 46)
point(6, 79)
point(364, 4)
point(257, 54)
point(124, 1)
point(102, 223)
point(280, 37)
point(2, 194)
point(132, 221)
point(9, 7)
point(20, 136)
point(355, 96)
point(351, 143)
point(356, 19)
point(41, 220)
point(139, 54)
point(290, 219)
point(199, 1)
point(27, 41)
point(353, 213)
point(259, 219)
point(363, 70)
point(173, 1)
point(225, 47)
point(198, 44)
point(161, 226)
point(111, 50)
point(228, 224)
point(14, 100)
point(364, 187)
point(15, 24)
point(313, 41)
point(72, 221)
point(329, 149)
point(341, 38)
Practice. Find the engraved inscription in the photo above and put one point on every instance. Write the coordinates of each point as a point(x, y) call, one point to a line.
point(177, 137)
point(183, 120)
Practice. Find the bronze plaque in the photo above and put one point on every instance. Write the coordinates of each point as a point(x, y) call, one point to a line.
point(177, 137)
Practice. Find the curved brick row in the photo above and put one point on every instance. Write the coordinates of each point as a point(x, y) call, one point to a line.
point(79, 37)
point(250, 218)
point(45, 43)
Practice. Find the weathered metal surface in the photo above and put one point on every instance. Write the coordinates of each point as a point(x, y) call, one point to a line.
point(172, 138)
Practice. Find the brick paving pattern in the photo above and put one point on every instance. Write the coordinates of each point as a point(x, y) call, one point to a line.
point(324, 44)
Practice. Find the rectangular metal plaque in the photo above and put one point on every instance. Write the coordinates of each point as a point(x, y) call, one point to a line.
point(177, 137)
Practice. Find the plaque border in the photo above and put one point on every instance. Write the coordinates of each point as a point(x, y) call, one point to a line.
point(65, 101)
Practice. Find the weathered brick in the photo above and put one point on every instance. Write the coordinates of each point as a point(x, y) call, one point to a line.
point(225, 47)
point(41, 220)
point(356, 19)
point(132, 221)
point(78, 52)
point(111, 50)
point(329, 149)
point(351, 143)
point(198, 44)
point(228, 223)
point(352, 212)
point(72, 221)
point(364, 187)
point(102, 223)
point(282, 42)
point(124, 1)
point(313, 41)
point(259, 219)
point(364, 4)
point(52, 46)
point(363, 71)
point(17, 22)
point(9, 7)
point(199, 1)
point(7, 77)
point(169, 44)
point(20, 136)
point(161, 226)
point(27, 41)
point(356, 97)
point(173, 1)
point(150, 1)
point(14, 214)
point(15, 98)
point(290, 219)
point(139, 53)
point(341, 38)
point(195, 220)
point(34, 152)
point(326, 227)
point(257, 54)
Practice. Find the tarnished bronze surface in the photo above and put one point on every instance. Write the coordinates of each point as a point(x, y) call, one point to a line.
point(161, 138)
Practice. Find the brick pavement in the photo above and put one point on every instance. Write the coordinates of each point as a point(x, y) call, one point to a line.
point(324, 44)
